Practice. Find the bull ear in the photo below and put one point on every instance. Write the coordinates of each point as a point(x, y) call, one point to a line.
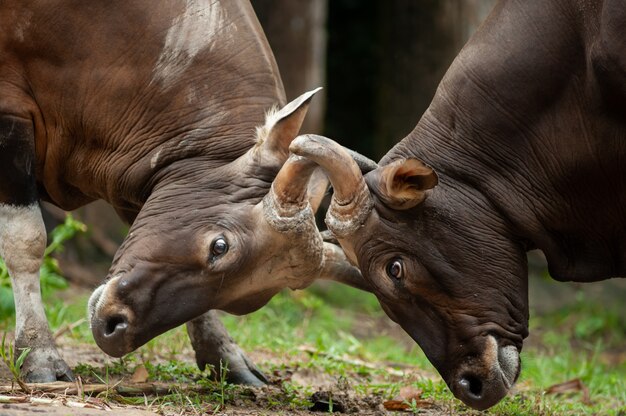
point(403, 183)
point(282, 126)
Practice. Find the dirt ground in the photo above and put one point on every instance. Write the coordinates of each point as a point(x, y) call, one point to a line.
point(62, 399)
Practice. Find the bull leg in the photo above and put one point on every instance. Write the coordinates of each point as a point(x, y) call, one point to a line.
point(22, 245)
point(215, 347)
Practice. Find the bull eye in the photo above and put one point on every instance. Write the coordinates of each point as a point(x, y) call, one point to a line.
point(219, 246)
point(395, 269)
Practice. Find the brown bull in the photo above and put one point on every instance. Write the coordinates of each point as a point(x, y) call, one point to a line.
point(523, 147)
point(159, 109)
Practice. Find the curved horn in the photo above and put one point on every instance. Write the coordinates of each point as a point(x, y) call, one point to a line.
point(365, 163)
point(287, 204)
point(351, 203)
point(318, 185)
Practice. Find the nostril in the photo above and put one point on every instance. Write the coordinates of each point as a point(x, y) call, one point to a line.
point(115, 324)
point(472, 385)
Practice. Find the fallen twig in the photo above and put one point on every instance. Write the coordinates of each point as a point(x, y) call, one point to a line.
point(13, 399)
point(126, 389)
point(575, 385)
point(53, 401)
point(68, 327)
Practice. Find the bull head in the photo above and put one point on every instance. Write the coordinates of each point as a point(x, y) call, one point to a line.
point(228, 237)
point(446, 272)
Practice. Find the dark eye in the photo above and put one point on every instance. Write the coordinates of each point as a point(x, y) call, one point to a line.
point(395, 269)
point(218, 247)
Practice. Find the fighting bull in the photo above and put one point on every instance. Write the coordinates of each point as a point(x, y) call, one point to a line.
point(522, 147)
point(161, 111)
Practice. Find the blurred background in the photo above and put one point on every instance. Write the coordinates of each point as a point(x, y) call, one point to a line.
point(379, 62)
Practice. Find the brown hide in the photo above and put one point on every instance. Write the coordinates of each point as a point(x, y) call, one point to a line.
point(527, 137)
point(118, 95)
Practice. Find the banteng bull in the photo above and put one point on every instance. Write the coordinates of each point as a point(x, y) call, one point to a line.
point(159, 110)
point(523, 147)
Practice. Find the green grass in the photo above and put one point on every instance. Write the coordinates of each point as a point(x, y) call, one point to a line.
point(571, 342)
point(292, 320)
point(562, 351)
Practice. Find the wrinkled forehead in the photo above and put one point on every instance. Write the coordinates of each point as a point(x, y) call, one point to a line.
point(390, 225)
point(237, 182)
point(213, 214)
point(182, 233)
point(218, 190)
point(382, 242)
point(190, 211)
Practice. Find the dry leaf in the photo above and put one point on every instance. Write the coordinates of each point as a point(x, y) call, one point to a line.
point(396, 405)
point(401, 405)
point(408, 398)
point(140, 375)
point(408, 392)
point(575, 385)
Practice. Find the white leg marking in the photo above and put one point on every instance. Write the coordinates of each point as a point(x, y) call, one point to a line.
point(22, 245)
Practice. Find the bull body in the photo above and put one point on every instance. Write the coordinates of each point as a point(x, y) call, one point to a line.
point(158, 109)
point(523, 147)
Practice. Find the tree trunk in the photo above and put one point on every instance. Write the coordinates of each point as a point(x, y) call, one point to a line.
point(385, 60)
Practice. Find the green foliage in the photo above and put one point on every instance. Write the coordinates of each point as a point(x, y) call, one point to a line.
point(50, 277)
point(7, 353)
point(585, 321)
point(174, 370)
point(294, 319)
point(223, 385)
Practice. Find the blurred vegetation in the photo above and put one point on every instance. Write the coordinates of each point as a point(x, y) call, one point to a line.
point(50, 274)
